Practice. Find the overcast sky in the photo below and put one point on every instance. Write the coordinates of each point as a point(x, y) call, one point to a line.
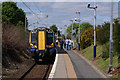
point(60, 13)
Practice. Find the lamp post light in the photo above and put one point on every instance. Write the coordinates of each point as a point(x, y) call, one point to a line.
point(78, 12)
point(94, 26)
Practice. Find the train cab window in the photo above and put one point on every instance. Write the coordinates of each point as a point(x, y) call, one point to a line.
point(33, 38)
point(49, 38)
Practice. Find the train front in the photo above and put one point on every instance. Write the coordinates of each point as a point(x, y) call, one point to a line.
point(43, 44)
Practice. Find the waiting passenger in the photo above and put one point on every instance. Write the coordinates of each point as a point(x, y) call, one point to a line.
point(66, 43)
point(61, 43)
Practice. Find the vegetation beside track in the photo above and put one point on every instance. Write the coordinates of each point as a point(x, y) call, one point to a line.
point(100, 62)
point(102, 42)
point(14, 49)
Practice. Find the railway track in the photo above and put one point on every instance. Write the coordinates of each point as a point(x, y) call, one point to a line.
point(37, 71)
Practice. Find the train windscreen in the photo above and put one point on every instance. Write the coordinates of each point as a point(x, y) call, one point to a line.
point(33, 38)
point(49, 38)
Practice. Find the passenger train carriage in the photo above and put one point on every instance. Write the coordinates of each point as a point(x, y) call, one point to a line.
point(42, 43)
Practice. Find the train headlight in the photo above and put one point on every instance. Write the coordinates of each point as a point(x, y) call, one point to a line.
point(36, 50)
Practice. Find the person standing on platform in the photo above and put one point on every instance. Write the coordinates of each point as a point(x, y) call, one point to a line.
point(56, 41)
point(61, 43)
point(66, 41)
point(69, 43)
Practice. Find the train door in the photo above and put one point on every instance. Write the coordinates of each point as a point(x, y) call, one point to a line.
point(41, 40)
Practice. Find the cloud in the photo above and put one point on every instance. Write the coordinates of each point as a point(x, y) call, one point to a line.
point(60, 13)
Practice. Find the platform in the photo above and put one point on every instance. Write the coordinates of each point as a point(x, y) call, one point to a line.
point(69, 64)
point(64, 67)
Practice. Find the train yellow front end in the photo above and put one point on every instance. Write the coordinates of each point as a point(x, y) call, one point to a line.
point(45, 48)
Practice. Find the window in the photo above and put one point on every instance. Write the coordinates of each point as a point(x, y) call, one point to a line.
point(33, 38)
point(49, 38)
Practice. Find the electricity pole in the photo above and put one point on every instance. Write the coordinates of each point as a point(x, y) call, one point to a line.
point(111, 40)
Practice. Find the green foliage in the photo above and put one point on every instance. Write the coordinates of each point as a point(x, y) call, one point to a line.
point(84, 26)
point(54, 28)
point(58, 32)
point(116, 38)
point(75, 27)
point(87, 38)
point(12, 13)
point(105, 51)
point(103, 34)
point(20, 23)
point(68, 36)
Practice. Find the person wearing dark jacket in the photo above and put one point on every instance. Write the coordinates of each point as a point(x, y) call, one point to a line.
point(61, 43)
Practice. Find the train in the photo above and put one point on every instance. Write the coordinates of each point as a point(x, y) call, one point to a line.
point(42, 44)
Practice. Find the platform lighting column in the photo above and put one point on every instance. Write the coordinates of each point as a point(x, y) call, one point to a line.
point(79, 31)
point(94, 27)
point(94, 31)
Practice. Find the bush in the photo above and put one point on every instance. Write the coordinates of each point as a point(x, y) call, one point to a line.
point(105, 51)
point(87, 38)
point(13, 43)
point(103, 34)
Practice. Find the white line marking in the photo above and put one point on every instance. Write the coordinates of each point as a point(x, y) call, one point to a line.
point(54, 67)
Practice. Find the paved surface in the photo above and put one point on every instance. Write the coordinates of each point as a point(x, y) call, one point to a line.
point(82, 68)
point(61, 68)
point(64, 68)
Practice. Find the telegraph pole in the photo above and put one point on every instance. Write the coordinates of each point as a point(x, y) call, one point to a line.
point(111, 40)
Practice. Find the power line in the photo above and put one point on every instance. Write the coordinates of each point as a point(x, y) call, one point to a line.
point(38, 8)
point(31, 10)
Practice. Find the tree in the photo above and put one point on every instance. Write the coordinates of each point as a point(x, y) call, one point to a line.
point(54, 28)
point(84, 26)
point(116, 38)
point(87, 38)
point(103, 34)
point(75, 27)
point(59, 33)
point(13, 14)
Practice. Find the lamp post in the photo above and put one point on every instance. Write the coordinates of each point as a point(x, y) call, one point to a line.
point(111, 39)
point(79, 31)
point(94, 27)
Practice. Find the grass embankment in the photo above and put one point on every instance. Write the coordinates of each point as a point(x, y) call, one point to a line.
point(99, 62)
